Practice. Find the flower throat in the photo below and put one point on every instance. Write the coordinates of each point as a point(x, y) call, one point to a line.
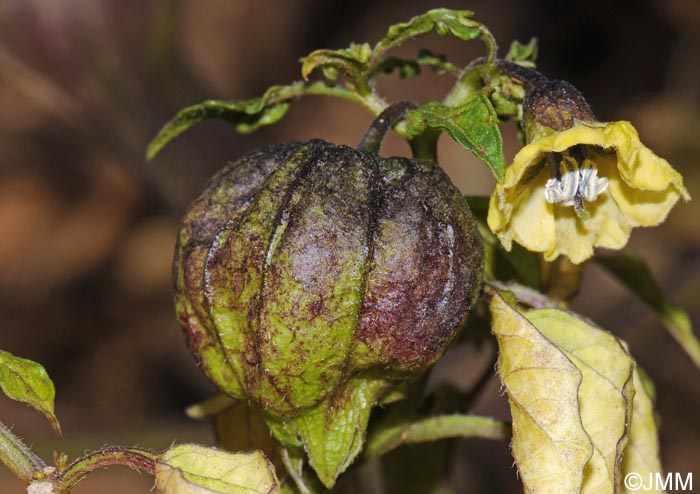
point(575, 179)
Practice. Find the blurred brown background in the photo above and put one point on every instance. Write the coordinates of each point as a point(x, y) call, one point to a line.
point(87, 227)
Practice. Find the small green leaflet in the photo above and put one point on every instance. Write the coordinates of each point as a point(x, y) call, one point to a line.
point(634, 274)
point(409, 68)
point(524, 55)
point(474, 125)
point(27, 382)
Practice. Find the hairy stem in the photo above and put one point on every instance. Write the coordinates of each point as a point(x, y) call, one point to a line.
point(18, 457)
point(136, 458)
point(294, 470)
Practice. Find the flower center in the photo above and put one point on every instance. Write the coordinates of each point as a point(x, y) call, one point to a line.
point(573, 183)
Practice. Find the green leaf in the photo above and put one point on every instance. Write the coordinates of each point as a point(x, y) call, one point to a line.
point(245, 115)
point(474, 125)
point(406, 68)
point(333, 434)
point(27, 382)
point(433, 429)
point(196, 469)
point(634, 274)
point(436, 62)
point(524, 55)
point(409, 68)
point(550, 446)
point(457, 23)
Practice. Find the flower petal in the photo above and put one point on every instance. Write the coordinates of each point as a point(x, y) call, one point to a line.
point(642, 189)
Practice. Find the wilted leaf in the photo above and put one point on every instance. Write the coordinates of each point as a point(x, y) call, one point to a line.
point(457, 23)
point(474, 126)
point(245, 115)
point(642, 452)
point(27, 382)
point(633, 272)
point(196, 469)
point(352, 61)
point(606, 392)
point(550, 445)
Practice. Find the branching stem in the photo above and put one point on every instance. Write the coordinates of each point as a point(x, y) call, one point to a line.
point(136, 458)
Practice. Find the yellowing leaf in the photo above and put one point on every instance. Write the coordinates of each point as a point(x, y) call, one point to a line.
point(641, 455)
point(606, 392)
point(196, 469)
point(550, 446)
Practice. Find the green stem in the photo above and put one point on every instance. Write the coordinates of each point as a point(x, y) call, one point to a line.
point(18, 457)
point(136, 458)
point(491, 45)
point(435, 428)
point(211, 407)
point(469, 84)
point(560, 279)
point(424, 146)
point(295, 471)
point(370, 101)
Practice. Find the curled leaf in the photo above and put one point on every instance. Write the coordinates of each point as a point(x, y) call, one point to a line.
point(641, 455)
point(474, 125)
point(606, 392)
point(27, 382)
point(352, 61)
point(634, 274)
point(196, 469)
point(550, 446)
point(458, 23)
point(245, 115)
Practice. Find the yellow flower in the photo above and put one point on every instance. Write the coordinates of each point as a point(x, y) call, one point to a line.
point(570, 191)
